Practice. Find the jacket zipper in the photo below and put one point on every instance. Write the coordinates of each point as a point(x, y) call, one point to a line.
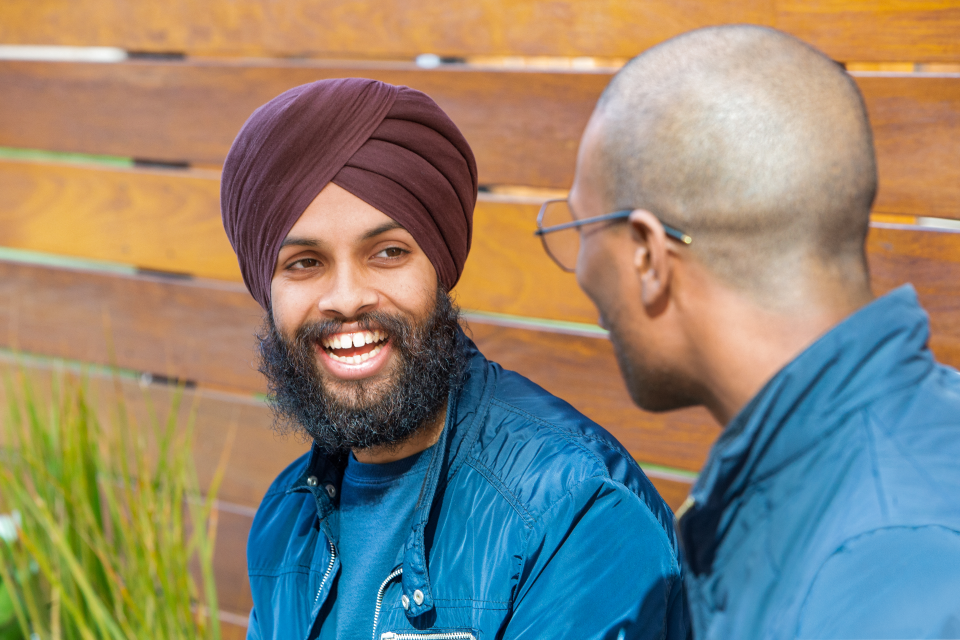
point(390, 635)
point(333, 557)
point(453, 635)
point(383, 586)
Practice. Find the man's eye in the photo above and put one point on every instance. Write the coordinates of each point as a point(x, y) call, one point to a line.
point(391, 252)
point(304, 263)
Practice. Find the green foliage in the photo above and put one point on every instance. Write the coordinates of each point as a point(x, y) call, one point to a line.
point(109, 523)
point(9, 625)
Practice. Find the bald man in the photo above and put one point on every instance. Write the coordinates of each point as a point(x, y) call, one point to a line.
point(443, 497)
point(717, 219)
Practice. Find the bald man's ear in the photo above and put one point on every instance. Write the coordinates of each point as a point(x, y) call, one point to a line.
point(650, 258)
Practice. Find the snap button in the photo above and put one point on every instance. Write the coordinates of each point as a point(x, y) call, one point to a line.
point(418, 597)
point(312, 481)
point(331, 490)
point(405, 601)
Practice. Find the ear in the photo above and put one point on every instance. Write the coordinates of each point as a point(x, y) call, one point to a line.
point(650, 257)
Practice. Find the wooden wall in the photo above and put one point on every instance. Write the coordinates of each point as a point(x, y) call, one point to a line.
point(111, 249)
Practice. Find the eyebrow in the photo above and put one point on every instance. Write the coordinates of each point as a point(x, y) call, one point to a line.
point(386, 226)
point(310, 242)
point(300, 242)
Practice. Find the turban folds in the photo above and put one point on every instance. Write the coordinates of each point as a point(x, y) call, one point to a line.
point(390, 146)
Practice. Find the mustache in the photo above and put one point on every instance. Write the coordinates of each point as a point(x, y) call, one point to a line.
point(316, 331)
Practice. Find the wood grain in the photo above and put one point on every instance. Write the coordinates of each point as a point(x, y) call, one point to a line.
point(371, 28)
point(159, 220)
point(190, 330)
point(882, 30)
point(875, 30)
point(930, 261)
point(907, 148)
point(170, 221)
point(524, 126)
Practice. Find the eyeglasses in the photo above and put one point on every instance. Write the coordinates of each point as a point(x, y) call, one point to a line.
point(559, 230)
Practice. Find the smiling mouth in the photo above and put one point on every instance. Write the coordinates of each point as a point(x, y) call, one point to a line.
point(354, 348)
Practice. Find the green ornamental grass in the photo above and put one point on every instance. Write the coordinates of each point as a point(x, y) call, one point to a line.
point(101, 526)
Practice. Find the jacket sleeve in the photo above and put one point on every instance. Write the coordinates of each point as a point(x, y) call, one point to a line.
point(898, 582)
point(598, 564)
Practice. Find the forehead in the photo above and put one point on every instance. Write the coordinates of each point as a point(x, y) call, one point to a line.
point(336, 216)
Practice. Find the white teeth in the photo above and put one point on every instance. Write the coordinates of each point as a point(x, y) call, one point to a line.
point(363, 357)
point(358, 339)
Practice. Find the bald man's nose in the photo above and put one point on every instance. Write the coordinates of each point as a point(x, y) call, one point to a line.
point(349, 295)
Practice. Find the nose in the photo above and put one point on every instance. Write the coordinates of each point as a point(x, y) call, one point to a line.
point(348, 295)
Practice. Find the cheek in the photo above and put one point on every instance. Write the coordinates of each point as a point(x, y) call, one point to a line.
point(600, 278)
point(413, 290)
point(588, 273)
point(290, 305)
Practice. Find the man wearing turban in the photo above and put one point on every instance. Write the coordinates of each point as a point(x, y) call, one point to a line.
point(443, 497)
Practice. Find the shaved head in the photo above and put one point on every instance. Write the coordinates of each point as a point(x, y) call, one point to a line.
point(750, 141)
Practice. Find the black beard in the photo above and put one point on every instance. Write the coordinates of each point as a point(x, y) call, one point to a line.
point(429, 362)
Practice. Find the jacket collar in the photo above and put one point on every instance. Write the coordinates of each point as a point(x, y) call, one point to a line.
point(881, 347)
point(466, 406)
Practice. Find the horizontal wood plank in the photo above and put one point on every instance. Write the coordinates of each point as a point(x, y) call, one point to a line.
point(910, 146)
point(930, 261)
point(524, 126)
point(875, 30)
point(881, 30)
point(371, 28)
point(160, 220)
point(192, 330)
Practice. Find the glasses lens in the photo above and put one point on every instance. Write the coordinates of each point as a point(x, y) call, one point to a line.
point(563, 246)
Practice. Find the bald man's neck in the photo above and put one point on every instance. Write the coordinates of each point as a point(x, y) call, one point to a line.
point(739, 343)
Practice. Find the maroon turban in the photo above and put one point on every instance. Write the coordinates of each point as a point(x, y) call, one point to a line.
point(390, 146)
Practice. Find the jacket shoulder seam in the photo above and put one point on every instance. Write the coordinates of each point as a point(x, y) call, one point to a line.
point(566, 435)
point(490, 476)
point(663, 536)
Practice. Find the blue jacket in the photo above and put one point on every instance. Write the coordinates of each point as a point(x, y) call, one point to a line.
point(533, 523)
point(830, 506)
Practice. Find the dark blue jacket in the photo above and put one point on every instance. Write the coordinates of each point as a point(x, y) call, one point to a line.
point(830, 506)
point(533, 523)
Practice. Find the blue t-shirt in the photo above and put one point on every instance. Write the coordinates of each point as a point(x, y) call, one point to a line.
point(377, 502)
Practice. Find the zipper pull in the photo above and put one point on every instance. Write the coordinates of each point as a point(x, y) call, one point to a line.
point(389, 635)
